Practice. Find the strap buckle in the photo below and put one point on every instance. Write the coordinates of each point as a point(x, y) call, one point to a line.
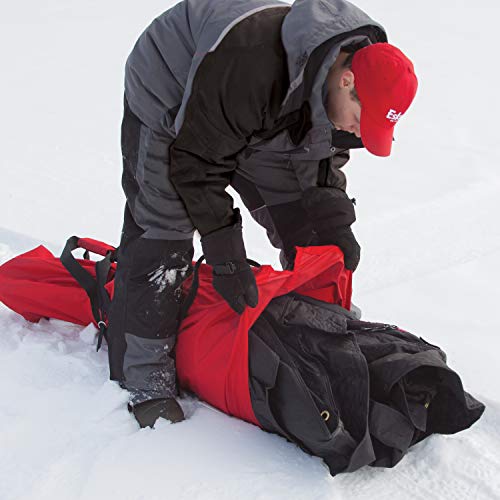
point(226, 268)
point(103, 328)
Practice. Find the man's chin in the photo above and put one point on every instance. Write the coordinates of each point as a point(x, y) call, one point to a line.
point(335, 126)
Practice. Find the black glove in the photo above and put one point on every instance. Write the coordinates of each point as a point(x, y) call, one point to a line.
point(345, 240)
point(232, 276)
point(332, 213)
point(148, 412)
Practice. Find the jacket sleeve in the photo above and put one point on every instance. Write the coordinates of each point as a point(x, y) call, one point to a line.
point(231, 98)
point(330, 173)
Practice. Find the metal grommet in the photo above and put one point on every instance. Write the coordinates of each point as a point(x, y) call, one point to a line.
point(325, 414)
point(178, 295)
point(332, 149)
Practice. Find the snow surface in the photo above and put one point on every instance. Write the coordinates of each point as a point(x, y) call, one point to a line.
point(427, 223)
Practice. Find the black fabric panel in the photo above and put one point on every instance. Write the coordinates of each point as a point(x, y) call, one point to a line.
point(237, 91)
point(130, 138)
point(291, 404)
point(292, 223)
point(287, 224)
point(385, 388)
point(248, 192)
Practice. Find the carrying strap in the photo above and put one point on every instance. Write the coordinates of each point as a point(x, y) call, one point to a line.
point(188, 301)
point(100, 300)
point(186, 304)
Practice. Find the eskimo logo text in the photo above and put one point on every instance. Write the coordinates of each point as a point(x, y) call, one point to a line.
point(393, 116)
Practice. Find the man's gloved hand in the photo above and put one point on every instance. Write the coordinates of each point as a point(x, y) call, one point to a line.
point(331, 213)
point(232, 276)
point(345, 240)
point(235, 282)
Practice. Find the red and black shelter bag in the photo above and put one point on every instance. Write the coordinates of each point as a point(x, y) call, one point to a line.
point(299, 364)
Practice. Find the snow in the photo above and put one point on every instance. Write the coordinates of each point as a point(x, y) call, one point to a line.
point(427, 224)
point(161, 277)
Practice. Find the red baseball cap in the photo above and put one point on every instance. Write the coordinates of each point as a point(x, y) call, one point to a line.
point(386, 84)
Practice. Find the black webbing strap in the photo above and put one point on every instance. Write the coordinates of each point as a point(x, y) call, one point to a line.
point(253, 263)
point(102, 271)
point(192, 291)
point(94, 287)
point(188, 301)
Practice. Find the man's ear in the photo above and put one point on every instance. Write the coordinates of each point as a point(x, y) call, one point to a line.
point(347, 79)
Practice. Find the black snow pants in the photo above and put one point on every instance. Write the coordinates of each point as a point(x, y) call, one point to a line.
point(154, 258)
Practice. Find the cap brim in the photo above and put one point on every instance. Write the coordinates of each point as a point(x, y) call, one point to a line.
point(376, 139)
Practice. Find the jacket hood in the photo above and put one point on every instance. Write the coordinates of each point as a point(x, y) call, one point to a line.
point(312, 33)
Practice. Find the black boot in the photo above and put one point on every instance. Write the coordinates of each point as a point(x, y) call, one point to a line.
point(148, 412)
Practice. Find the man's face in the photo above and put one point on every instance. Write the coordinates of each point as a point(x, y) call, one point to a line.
point(344, 110)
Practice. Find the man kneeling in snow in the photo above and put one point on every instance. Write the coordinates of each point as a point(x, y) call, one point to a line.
point(268, 98)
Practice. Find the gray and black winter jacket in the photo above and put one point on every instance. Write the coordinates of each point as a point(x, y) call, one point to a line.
point(240, 85)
